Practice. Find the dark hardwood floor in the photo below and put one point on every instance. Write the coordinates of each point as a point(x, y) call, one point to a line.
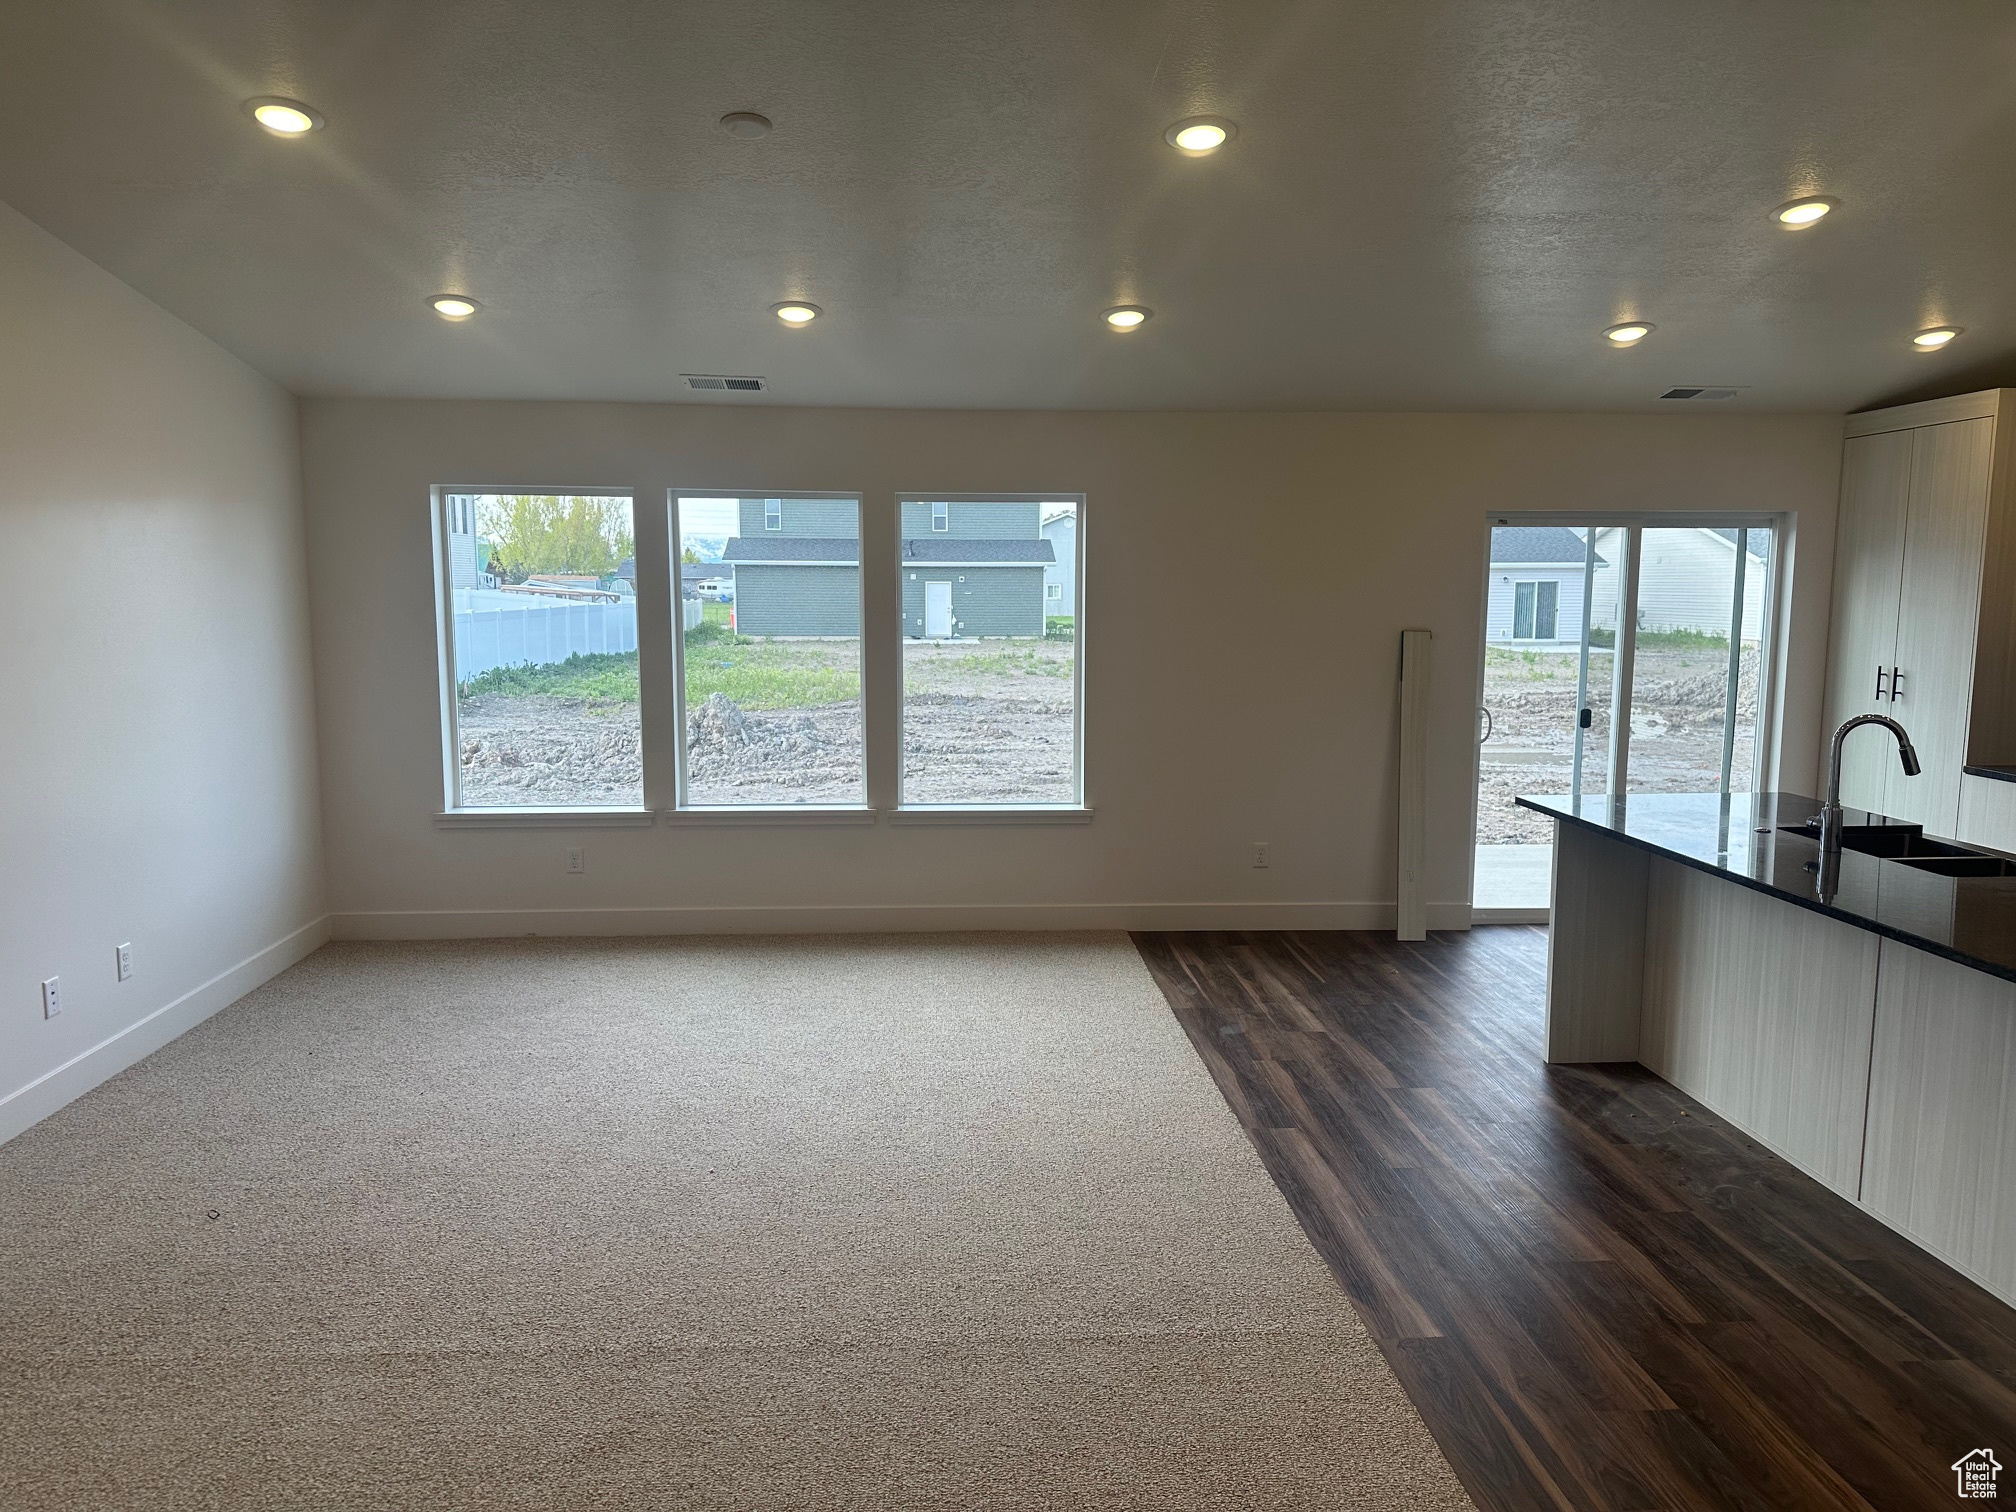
point(1598, 1293)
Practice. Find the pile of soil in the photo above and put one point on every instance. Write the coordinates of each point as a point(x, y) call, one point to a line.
point(542, 750)
point(773, 756)
point(1676, 727)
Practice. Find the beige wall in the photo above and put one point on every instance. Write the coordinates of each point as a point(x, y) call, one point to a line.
point(1247, 579)
point(157, 746)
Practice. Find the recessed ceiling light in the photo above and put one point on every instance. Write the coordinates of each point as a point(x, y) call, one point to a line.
point(745, 123)
point(284, 118)
point(1630, 333)
point(1127, 317)
point(796, 312)
point(1803, 211)
point(1937, 337)
point(453, 306)
point(1200, 136)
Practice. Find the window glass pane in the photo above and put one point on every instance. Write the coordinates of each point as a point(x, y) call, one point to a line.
point(1680, 679)
point(1543, 618)
point(1522, 611)
point(770, 664)
point(543, 646)
point(990, 604)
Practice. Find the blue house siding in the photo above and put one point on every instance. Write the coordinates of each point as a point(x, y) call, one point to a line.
point(971, 521)
point(797, 599)
point(831, 519)
point(985, 600)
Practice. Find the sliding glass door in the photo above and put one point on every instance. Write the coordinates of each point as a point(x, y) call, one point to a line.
point(1618, 657)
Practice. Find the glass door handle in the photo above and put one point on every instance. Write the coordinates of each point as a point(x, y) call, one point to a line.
point(1490, 724)
point(1586, 719)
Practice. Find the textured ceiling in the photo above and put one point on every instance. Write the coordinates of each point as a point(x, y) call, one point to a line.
point(1428, 205)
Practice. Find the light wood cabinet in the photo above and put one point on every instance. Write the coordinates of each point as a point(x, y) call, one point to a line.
point(1762, 1011)
point(1924, 578)
point(1941, 1158)
point(1868, 576)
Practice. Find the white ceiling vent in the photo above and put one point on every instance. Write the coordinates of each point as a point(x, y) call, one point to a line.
point(719, 381)
point(1693, 392)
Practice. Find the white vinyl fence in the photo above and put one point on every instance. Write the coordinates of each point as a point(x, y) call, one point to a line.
point(518, 634)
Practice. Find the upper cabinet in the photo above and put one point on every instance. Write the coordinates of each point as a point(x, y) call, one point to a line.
point(1925, 601)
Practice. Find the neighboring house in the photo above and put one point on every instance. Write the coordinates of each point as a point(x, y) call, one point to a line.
point(465, 568)
point(707, 580)
point(1686, 580)
point(969, 569)
point(1060, 596)
point(1535, 594)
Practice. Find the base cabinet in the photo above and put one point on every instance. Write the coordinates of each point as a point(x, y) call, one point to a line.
point(1761, 1010)
point(1940, 1161)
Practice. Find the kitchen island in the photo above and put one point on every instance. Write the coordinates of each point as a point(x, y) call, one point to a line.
point(1855, 1013)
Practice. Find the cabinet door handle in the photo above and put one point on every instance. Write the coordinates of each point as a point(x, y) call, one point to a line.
point(1881, 691)
point(1896, 684)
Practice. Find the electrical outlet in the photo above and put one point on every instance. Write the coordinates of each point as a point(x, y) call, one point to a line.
point(125, 960)
point(52, 1002)
point(577, 860)
point(1260, 854)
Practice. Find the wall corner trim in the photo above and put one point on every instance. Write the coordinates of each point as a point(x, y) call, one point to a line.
point(27, 1106)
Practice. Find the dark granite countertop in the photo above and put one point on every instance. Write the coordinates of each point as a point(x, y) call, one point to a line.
point(1999, 773)
point(1971, 920)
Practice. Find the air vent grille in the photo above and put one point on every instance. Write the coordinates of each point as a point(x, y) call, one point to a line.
point(1702, 392)
point(720, 381)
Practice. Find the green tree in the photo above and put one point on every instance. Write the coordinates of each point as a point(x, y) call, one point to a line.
point(690, 555)
point(539, 533)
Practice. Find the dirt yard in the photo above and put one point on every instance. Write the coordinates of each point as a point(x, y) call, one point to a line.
point(985, 721)
point(1676, 730)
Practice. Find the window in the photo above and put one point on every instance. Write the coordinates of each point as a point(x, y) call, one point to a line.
point(1535, 606)
point(769, 668)
point(541, 641)
point(990, 637)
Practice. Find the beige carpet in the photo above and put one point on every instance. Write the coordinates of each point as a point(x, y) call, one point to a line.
point(926, 1222)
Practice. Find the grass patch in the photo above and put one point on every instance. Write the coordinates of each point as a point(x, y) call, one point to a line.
point(1683, 640)
point(601, 677)
point(1006, 662)
point(1060, 627)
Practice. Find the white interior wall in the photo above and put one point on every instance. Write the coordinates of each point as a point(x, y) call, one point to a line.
point(157, 752)
point(1215, 716)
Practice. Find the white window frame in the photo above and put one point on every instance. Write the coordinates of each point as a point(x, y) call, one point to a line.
point(684, 810)
point(773, 511)
point(941, 517)
point(1079, 809)
point(454, 814)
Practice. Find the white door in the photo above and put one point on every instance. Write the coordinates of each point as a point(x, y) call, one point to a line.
point(938, 611)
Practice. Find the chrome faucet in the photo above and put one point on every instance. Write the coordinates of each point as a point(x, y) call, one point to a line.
point(1830, 811)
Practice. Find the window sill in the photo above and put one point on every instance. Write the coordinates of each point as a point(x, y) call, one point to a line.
point(545, 818)
point(779, 814)
point(993, 813)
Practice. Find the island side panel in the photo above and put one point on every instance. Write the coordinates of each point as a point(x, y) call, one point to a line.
point(1595, 948)
point(1942, 1113)
point(1763, 1011)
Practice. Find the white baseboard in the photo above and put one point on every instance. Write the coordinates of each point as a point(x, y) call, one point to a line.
point(480, 924)
point(26, 1106)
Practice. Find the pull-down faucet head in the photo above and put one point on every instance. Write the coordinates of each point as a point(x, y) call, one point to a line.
point(1830, 810)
